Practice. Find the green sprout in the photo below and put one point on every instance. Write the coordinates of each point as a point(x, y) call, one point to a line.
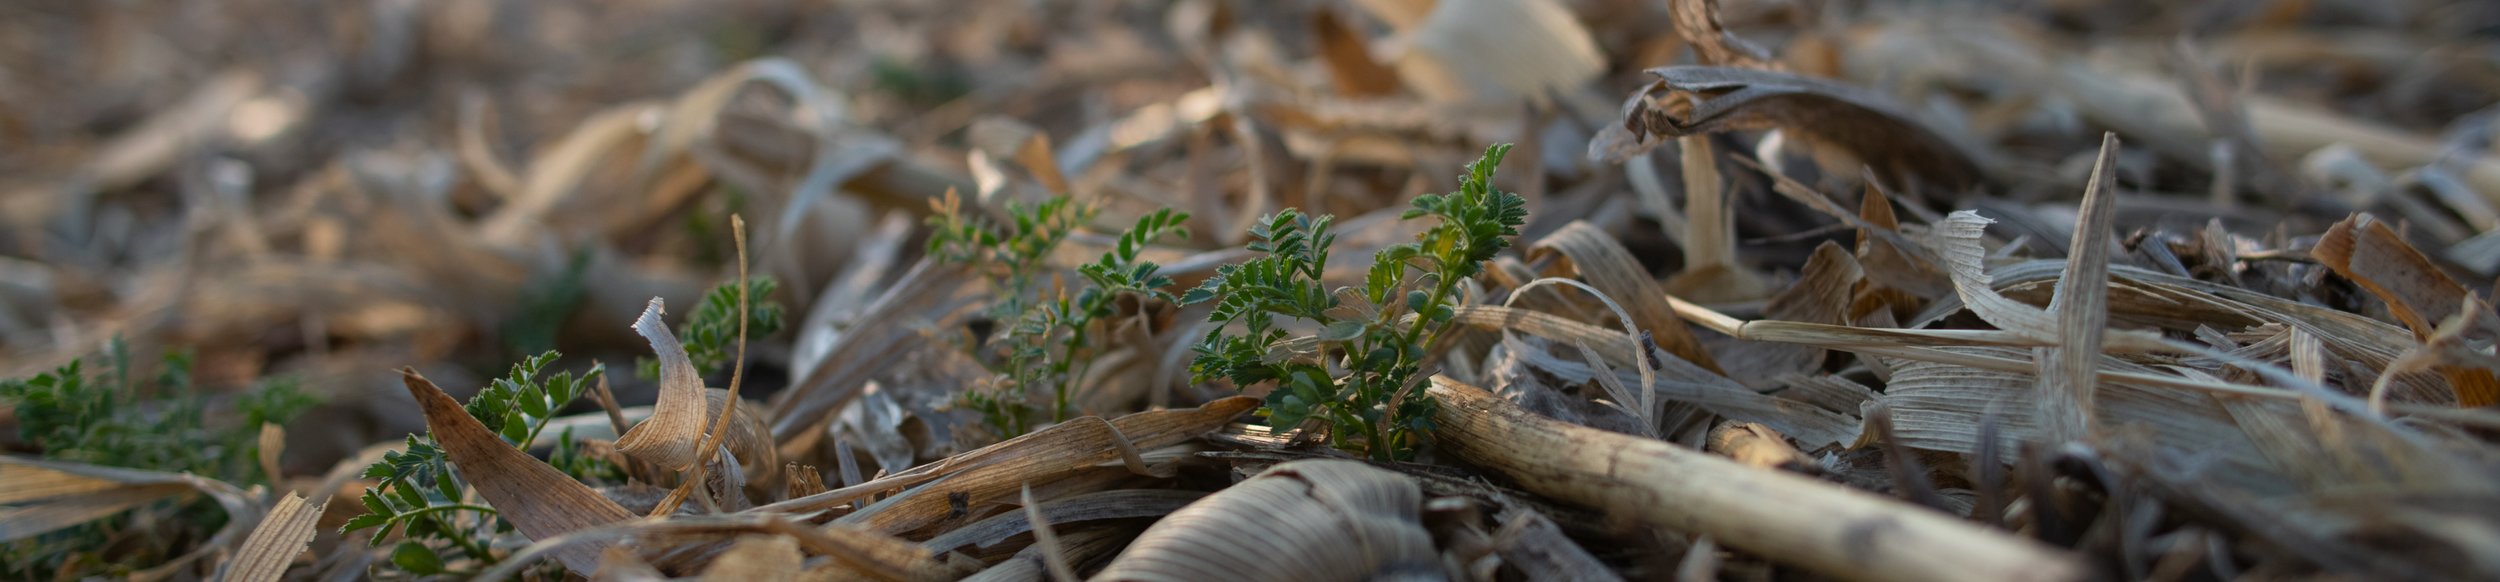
point(162, 424)
point(1357, 372)
point(1048, 339)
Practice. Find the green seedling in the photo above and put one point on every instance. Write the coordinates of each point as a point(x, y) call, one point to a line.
point(1357, 373)
point(1047, 342)
point(106, 417)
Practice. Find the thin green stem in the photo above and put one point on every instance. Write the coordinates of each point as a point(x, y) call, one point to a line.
point(468, 545)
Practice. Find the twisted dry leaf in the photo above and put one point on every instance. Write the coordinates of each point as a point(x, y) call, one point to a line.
point(668, 439)
point(2373, 256)
point(1827, 117)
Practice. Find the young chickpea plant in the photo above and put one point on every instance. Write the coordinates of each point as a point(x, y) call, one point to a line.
point(1355, 374)
point(1045, 339)
point(417, 492)
point(159, 424)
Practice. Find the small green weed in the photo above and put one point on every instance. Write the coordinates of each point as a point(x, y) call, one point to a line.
point(161, 424)
point(1047, 337)
point(1357, 372)
point(419, 494)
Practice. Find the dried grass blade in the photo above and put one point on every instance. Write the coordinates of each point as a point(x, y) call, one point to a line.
point(2082, 309)
point(537, 499)
point(1114, 504)
point(56, 512)
point(993, 474)
point(50, 495)
point(1046, 541)
point(274, 543)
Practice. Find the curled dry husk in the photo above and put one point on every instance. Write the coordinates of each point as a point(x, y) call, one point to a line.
point(670, 437)
point(1303, 520)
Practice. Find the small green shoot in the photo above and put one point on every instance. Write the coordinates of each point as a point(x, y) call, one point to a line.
point(1357, 372)
point(162, 424)
point(1047, 339)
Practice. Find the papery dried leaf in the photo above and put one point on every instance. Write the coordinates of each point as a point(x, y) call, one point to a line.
point(559, 169)
point(45, 496)
point(1966, 259)
point(1888, 263)
point(1691, 100)
point(1605, 264)
point(537, 499)
point(2373, 256)
point(272, 547)
point(875, 553)
point(1311, 520)
point(669, 438)
point(1087, 545)
point(747, 439)
point(1939, 407)
point(1820, 295)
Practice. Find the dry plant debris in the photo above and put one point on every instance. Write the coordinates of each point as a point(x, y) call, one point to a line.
point(1701, 289)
